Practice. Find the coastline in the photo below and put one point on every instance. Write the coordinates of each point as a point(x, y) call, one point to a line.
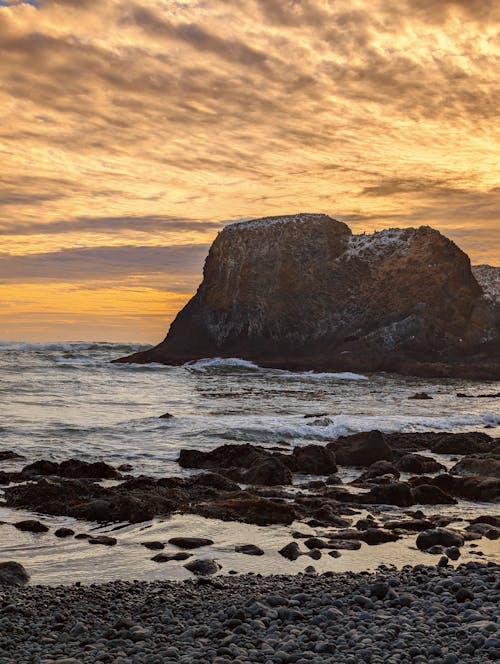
point(423, 614)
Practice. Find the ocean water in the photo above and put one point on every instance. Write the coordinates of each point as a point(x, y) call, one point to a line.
point(67, 400)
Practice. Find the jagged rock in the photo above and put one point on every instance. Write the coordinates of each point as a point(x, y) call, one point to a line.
point(438, 537)
point(301, 291)
point(13, 574)
point(72, 468)
point(10, 455)
point(419, 464)
point(361, 449)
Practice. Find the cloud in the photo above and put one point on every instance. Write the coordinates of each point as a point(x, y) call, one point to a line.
point(105, 263)
point(112, 225)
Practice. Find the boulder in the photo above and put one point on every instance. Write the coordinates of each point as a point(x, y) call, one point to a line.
point(249, 509)
point(428, 494)
point(290, 551)
point(438, 537)
point(361, 449)
point(374, 536)
point(314, 460)
point(13, 574)
point(31, 526)
point(419, 464)
point(249, 549)
point(203, 567)
point(105, 540)
point(64, 532)
point(397, 493)
point(378, 469)
point(10, 455)
point(484, 466)
point(270, 472)
point(301, 291)
point(190, 542)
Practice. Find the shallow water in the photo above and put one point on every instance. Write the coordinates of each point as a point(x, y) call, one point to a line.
point(64, 400)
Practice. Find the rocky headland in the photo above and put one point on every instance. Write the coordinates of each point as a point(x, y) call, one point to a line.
point(302, 292)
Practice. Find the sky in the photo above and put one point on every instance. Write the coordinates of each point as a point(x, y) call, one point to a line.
point(132, 130)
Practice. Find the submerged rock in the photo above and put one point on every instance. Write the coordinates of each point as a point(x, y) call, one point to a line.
point(190, 542)
point(31, 526)
point(301, 291)
point(249, 549)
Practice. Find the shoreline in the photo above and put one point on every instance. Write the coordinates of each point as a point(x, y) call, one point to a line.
point(421, 614)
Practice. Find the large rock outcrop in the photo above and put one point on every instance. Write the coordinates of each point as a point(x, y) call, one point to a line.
point(303, 292)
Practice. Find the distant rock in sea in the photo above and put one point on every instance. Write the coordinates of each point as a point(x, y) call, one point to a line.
point(303, 292)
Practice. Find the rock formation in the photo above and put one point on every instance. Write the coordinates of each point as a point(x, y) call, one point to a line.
point(303, 292)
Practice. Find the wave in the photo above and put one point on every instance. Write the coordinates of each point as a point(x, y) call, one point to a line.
point(220, 363)
point(236, 364)
point(275, 429)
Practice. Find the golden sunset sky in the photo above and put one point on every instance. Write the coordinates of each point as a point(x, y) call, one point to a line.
point(133, 130)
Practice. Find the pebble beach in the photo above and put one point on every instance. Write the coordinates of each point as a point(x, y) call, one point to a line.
point(421, 614)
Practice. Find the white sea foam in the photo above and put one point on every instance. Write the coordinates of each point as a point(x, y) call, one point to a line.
point(211, 363)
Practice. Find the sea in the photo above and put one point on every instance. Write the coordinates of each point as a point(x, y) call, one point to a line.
point(62, 400)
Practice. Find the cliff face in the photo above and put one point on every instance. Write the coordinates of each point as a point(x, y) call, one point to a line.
point(302, 291)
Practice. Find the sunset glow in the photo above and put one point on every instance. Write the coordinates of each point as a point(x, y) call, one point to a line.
point(133, 130)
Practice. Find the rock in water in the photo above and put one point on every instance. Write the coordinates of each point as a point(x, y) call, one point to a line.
point(302, 291)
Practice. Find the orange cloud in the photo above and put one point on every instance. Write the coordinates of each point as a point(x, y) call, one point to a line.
point(147, 123)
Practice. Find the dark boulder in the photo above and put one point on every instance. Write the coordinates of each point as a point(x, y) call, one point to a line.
point(153, 546)
point(10, 455)
point(290, 551)
point(269, 472)
point(31, 526)
point(105, 540)
point(13, 574)
point(167, 557)
point(64, 532)
point(361, 449)
point(249, 549)
point(378, 469)
point(419, 464)
point(203, 567)
point(397, 493)
point(72, 468)
point(374, 536)
point(412, 525)
point(314, 460)
point(484, 466)
point(421, 396)
point(190, 542)
point(438, 537)
point(428, 494)
point(249, 509)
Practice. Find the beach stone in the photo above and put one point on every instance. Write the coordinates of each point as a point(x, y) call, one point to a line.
point(379, 468)
point(396, 493)
point(64, 532)
point(314, 460)
point(190, 542)
point(13, 574)
point(106, 540)
point(166, 557)
point(154, 546)
point(31, 526)
point(203, 567)
point(438, 536)
point(290, 551)
point(249, 549)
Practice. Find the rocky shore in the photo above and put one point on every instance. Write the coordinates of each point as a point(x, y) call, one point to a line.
point(425, 615)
